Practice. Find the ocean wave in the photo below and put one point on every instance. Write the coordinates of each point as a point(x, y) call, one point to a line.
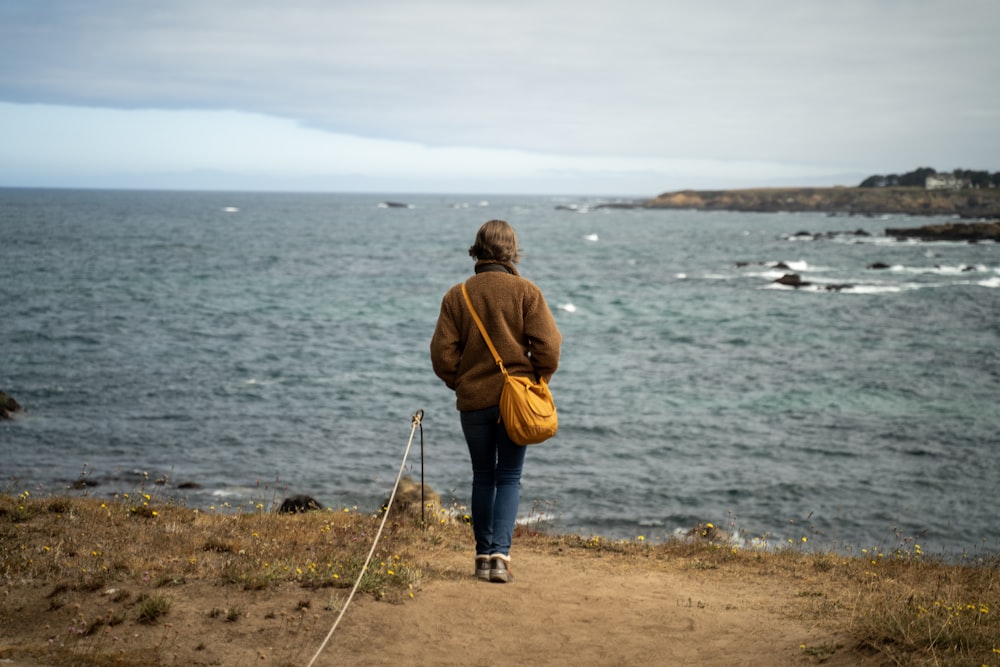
point(294, 343)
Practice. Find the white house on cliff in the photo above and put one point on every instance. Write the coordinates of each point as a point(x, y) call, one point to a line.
point(946, 182)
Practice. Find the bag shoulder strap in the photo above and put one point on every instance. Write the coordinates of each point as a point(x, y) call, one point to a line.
point(482, 330)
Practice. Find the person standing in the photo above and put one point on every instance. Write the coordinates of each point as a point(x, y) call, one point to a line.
point(524, 332)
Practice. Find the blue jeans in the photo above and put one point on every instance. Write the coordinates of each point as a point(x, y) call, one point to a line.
point(496, 480)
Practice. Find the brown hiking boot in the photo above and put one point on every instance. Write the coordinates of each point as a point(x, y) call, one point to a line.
point(483, 568)
point(500, 569)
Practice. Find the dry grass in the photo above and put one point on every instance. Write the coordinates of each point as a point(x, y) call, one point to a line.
point(85, 544)
point(84, 578)
point(900, 605)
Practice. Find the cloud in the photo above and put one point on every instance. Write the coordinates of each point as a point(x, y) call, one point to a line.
point(848, 86)
point(103, 146)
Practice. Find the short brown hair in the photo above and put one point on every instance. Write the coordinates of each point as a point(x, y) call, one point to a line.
point(497, 241)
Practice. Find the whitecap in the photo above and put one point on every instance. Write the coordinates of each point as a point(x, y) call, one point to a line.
point(989, 282)
point(591, 237)
point(681, 276)
point(938, 269)
point(793, 265)
point(231, 209)
point(873, 289)
point(235, 492)
point(568, 307)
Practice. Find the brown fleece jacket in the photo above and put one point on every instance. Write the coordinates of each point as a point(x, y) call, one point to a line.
point(518, 321)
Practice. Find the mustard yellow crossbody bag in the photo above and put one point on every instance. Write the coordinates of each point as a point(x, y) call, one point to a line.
point(527, 410)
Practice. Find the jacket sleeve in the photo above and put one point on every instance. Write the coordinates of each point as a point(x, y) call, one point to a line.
point(446, 345)
point(544, 339)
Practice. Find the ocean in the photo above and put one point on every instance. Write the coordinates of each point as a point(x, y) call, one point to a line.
point(229, 349)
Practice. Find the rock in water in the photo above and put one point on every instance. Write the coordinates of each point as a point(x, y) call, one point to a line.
point(8, 406)
point(792, 280)
point(950, 231)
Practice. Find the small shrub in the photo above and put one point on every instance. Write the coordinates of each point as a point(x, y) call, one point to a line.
point(60, 506)
point(152, 607)
point(218, 545)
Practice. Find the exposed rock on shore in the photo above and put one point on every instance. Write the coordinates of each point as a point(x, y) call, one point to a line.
point(952, 231)
point(7, 406)
point(983, 203)
point(299, 503)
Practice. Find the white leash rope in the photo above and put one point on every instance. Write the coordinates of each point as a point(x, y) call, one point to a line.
point(417, 417)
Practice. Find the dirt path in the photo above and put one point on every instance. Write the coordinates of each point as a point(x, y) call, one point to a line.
point(573, 607)
point(573, 610)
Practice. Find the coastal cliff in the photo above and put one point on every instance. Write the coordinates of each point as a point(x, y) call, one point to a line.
point(968, 203)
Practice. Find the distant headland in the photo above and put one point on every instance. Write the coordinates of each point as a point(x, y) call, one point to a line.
point(962, 193)
point(908, 200)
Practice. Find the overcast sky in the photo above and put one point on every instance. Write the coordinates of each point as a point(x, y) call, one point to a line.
point(624, 97)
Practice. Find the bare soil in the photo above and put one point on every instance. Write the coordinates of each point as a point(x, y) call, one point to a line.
point(565, 607)
point(135, 582)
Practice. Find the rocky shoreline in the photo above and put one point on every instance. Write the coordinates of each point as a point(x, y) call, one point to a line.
point(968, 204)
point(973, 232)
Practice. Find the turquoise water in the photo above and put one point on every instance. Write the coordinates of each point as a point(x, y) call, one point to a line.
point(264, 344)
